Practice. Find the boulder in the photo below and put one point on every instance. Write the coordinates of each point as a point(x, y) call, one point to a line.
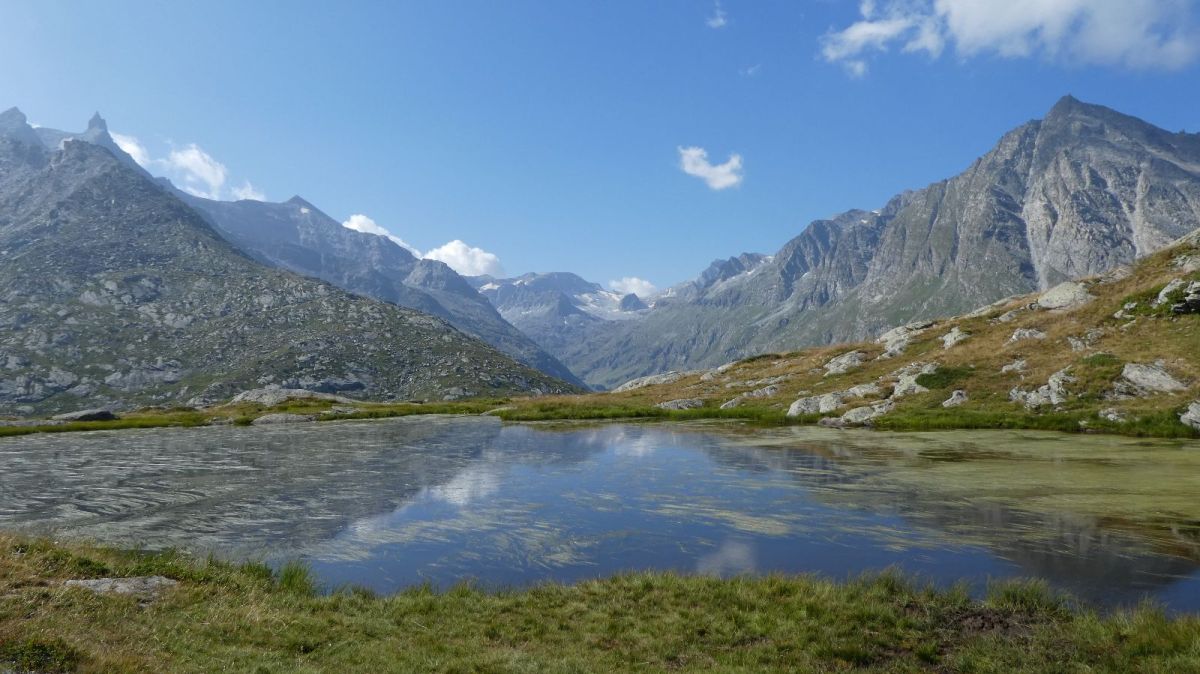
point(681, 404)
point(906, 379)
point(953, 337)
point(282, 418)
point(1067, 295)
point(1111, 414)
point(1164, 295)
point(956, 398)
point(844, 363)
point(1190, 304)
point(651, 380)
point(897, 339)
point(1191, 416)
point(86, 415)
point(829, 402)
point(864, 415)
point(1017, 366)
point(1021, 334)
point(1140, 380)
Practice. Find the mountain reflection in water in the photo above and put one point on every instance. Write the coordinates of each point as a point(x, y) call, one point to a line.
point(387, 504)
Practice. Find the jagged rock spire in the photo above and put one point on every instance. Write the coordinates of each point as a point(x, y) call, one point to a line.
point(97, 122)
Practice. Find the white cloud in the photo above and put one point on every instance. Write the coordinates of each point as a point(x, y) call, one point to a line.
point(248, 191)
point(694, 162)
point(191, 168)
point(200, 174)
point(361, 223)
point(1125, 33)
point(132, 147)
point(751, 71)
point(717, 20)
point(633, 284)
point(467, 260)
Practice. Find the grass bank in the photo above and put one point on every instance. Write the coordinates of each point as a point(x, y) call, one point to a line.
point(247, 618)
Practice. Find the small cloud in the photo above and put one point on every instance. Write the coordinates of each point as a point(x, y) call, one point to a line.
point(694, 162)
point(248, 191)
point(361, 223)
point(751, 71)
point(717, 20)
point(200, 174)
point(632, 284)
point(467, 260)
point(131, 146)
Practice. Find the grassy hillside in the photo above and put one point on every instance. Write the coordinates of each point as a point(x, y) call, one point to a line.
point(1089, 344)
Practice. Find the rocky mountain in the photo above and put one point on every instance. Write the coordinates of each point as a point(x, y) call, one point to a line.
point(1073, 194)
point(558, 310)
point(297, 236)
point(115, 292)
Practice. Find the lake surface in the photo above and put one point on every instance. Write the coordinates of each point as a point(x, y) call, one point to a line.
point(387, 504)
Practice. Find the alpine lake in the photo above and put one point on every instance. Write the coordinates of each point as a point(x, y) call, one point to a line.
point(443, 500)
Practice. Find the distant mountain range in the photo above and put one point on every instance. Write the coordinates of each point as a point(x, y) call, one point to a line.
point(1079, 192)
point(115, 292)
point(297, 236)
point(1076, 193)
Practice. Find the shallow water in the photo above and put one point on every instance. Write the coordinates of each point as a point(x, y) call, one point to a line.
point(386, 504)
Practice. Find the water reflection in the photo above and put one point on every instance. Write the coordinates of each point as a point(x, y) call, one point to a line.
point(392, 503)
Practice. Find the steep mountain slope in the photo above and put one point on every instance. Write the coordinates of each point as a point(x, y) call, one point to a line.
point(558, 310)
point(297, 236)
point(116, 292)
point(1074, 194)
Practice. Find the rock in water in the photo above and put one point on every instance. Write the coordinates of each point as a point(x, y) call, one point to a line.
point(86, 415)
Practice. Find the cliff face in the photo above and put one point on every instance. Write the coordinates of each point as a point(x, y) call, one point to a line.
point(1074, 194)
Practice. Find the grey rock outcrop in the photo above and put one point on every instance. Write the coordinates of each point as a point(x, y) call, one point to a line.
point(681, 404)
point(143, 587)
point(1191, 416)
point(1144, 379)
point(650, 380)
point(1066, 295)
point(958, 397)
point(1022, 334)
point(1053, 393)
point(844, 363)
point(955, 336)
point(272, 396)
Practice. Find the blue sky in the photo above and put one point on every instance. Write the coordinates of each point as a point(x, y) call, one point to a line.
point(552, 134)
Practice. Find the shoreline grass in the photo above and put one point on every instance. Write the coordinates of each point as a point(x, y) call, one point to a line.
point(1162, 424)
point(225, 616)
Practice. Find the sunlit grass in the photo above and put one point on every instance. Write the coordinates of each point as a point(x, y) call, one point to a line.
point(231, 617)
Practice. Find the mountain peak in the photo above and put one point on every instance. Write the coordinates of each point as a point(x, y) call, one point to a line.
point(12, 117)
point(97, 123)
